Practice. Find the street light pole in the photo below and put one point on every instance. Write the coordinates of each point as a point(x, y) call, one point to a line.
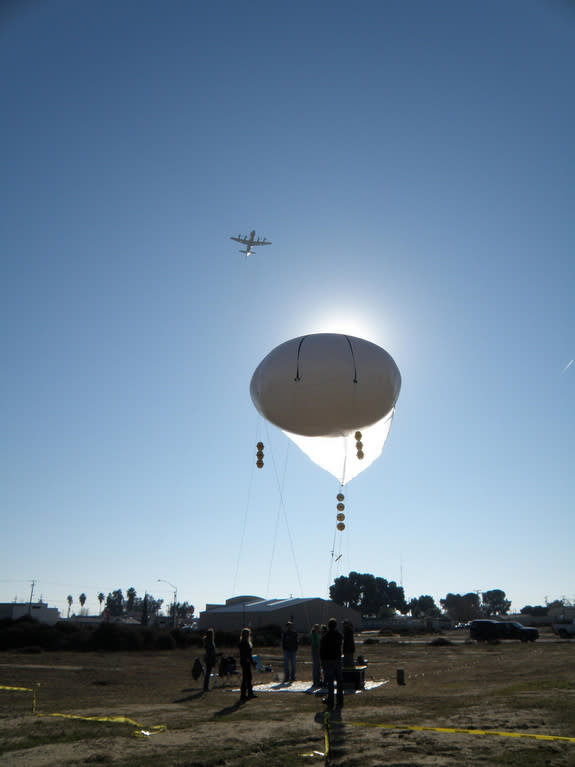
point(162, 580)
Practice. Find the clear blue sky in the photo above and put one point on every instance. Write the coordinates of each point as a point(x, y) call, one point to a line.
point(413, 164)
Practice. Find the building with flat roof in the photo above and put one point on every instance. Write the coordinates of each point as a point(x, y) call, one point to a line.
point(37, 610)
point(254, 612)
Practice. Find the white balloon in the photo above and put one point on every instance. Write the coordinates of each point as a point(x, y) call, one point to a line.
point(322, 388)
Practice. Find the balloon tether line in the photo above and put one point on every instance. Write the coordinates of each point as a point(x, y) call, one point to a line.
point(272, 556)
point(331, 563)
point(244, 525)
point(282, 505)
point(332, 554)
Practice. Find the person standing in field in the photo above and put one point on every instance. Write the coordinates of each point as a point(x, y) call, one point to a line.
point(314, 639)
point(330, 653)
point(246, 663)
point(210, 657)
point(348, 644)
point(289, 646)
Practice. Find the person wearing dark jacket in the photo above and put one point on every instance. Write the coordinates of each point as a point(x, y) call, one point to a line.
point(289, 646)
point(246, 663)
point(330, 654)
point(210, 657)
point(348, 644)
point(314, 640)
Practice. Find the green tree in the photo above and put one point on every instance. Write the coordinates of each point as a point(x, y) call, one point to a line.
point(69, 599)
point(535, 610)
point(391, 596)
point(184, 612)
point(495, 603)
point(144, 620)
point(153, 606)
point(423, 606)
point(368, 594)
point(346, 591)
point(115, 603)
point(461, 608)
point(82, 599)
point(557, 604)
point(101, 599)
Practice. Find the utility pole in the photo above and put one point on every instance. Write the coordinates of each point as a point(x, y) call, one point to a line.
point(31, 594)
point(174, 616)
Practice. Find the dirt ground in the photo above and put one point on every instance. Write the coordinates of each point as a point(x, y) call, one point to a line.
point(520, 696)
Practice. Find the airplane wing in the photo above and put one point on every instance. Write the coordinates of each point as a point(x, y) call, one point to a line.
point(249, 241)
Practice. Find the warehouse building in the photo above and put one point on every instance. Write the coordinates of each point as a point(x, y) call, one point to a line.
point(254, 612)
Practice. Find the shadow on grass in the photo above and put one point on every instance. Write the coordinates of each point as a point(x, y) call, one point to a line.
point(230, 709)
point(334, 716)
point(194, 696)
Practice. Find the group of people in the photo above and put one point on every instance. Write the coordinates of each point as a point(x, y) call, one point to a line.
point(346, 648)
point(327, 647)
point(246, 662)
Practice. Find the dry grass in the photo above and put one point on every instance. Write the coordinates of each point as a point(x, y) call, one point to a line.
point(509, 687)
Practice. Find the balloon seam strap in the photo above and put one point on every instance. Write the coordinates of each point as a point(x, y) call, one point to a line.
point(297, 376)
point(353, 358)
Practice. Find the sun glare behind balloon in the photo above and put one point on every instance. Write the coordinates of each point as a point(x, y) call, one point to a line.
point(350, 324)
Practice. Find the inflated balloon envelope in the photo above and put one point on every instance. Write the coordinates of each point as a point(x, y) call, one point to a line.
point(321, 389)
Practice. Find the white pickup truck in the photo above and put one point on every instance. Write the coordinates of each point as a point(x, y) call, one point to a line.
point(564, 630)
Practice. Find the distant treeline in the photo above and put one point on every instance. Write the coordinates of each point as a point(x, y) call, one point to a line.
point(28, 635)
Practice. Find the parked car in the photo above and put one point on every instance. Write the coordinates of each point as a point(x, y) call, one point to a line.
point(485, 630)
point(564, 629)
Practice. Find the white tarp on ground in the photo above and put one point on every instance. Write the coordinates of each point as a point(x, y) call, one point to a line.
point(307, 687)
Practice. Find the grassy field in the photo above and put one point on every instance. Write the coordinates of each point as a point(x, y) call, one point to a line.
point(451, 689)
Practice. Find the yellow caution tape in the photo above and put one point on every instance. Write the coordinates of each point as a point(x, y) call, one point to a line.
point(21, 689)
point(326, 731)
point(33, 690)
point(325, 737)
point(463, 731)
point(141, 731)
point(118, 720)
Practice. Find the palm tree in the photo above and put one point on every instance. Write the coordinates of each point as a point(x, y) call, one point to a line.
point(70, 599)
point(101, 599)
point(82, 600)
point(131, 594)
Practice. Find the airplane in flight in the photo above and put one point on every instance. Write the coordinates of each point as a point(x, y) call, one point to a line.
point(250, 242)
